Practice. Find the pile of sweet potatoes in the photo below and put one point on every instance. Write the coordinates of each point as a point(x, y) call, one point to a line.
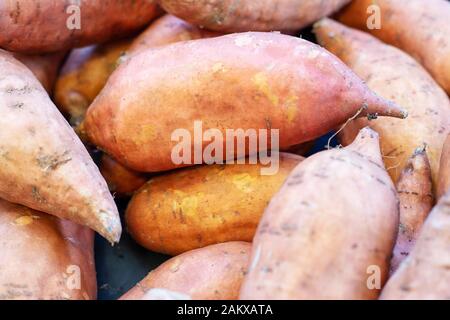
point(214, 125)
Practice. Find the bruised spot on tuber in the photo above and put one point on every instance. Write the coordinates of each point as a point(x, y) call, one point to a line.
point(262, 83)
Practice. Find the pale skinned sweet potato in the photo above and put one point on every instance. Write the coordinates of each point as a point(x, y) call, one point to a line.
point(193, 208)
point(45, 67)
point(121, 181)
point(43, 164)
point(83, 76)
point(44, 257)
point(51, 25)
point(213, 272)
point(250, 15)
point(293, 86)
point(415, 194)
point(393, 75)
point(418, 27)
point(425, 274)
point(444, 170)
point(330, 230)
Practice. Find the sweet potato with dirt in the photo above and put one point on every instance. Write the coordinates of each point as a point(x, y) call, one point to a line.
point(418, 27)
point(84, 75)
point(293, 86)
point(425, 274)
point(121, 181)
point(51, 25)
point(416, 198)
point(211, 273)
point(444, 170)
point(250, 15)
point(45, 67)
point(44, 257)
point(330, 230)
point(43, 164)
point(394, 75)
point(196, 207)
point(166, 30)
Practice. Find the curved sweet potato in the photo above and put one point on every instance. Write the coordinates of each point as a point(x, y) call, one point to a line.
point(330, 230)
point(250, 15)
point(425, 274)
point(394, 75)
point(121, 180)
point(48, 25)
point(444, 170)
point(193, 208)
point(43, 164)
point(213, 272)
point(84, 75)
point(415, 192)
point(418, 27)
point(45, 67)
point(166, 30)
point(294, 86)
point(44, 257)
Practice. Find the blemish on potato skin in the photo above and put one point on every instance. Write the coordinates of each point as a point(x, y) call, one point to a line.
point(262, 83)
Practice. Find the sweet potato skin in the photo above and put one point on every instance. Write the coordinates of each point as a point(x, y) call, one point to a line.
point(121, 181)
point(37, 252)
point(166, 30)
point(394, 75)
point(444, 170)
point(41, 26)
point(193, 208)
point(415, 193)
point(294, 86)
point(425, 274)
point(43, 165)
point(317, 234)
point(249, 15)
point(83, 76)
point(45, 67)
point(211, 273)
point(409, 25)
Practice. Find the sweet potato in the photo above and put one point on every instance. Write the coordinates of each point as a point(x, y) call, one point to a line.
point(121, 180)
point(444, 170)
point(250, 15)
point(43, 165)
point(330, 230)
point(294, 86)
point(212, 272)
point(425, 274)
point(393, 75)
point(44, 257)
point(415, 193)
point(83, 76)
point(45, 67)
point(193, 208)
point(418, 27)
point(166, 30)
point(49, 25)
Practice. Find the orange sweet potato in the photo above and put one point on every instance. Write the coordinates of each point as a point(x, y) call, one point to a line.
point(444, 170)
point(193, 208)
point(418, 27)
point(212, 272)
point(250, 15)
point(393, 75)
point(44, 257)
point(425, 274)
point(330, 228)
point(121, 180)
point(50, 25)
point(415, 193)
point(43, 164)
point(293, 85)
